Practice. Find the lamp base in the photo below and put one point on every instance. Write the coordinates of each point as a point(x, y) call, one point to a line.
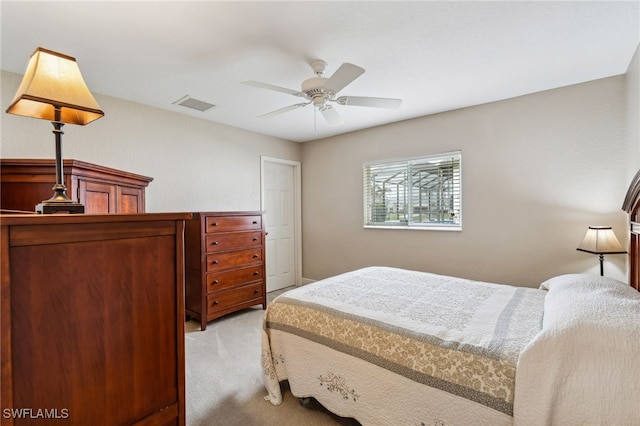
point(50, 207)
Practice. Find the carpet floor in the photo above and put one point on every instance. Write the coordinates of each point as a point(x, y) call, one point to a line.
point(224, 378)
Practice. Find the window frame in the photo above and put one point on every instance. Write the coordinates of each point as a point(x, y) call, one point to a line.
point(407, 166)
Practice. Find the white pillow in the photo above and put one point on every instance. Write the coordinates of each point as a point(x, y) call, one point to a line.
point(587, 280)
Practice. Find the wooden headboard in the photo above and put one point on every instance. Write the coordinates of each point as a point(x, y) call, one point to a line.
point(632, 206)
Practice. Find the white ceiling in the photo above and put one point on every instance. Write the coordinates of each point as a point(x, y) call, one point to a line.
point(434, 55)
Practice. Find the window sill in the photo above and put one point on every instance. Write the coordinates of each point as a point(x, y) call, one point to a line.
point(415, 228)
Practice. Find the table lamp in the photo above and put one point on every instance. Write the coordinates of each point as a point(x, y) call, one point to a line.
point(601, 240)
point(53, 89)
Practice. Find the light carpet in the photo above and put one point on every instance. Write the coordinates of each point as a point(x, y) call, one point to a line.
point(224, 378)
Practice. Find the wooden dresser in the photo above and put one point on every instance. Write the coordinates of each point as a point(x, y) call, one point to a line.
point(92, 319)
point(224, 259)
point(26, 182)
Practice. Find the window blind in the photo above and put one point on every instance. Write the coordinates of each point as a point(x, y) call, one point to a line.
point(423, 192)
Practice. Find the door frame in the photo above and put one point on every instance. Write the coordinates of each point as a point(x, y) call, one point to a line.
point(297, 209)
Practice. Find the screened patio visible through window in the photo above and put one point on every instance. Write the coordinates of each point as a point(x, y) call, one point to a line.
point(422, 192)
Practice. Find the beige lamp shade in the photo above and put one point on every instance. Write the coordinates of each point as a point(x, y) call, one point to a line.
point(54, 80)
point(601, 240)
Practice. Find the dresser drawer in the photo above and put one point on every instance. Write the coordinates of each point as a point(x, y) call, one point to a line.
point(232, 223)
point(226, 260)
point(221, 242)
point(221, 301)
point(222, 280)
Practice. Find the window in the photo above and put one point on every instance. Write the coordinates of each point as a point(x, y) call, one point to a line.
point(423, 193)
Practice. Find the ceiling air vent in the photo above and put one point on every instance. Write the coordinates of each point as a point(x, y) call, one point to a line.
point(189, 102)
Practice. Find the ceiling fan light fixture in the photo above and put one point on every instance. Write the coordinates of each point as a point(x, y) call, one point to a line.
point(331, 115)
point(319, 91)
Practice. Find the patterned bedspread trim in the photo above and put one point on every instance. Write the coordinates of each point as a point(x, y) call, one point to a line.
point(483, 375)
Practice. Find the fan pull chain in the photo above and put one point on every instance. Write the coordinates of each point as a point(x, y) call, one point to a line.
point(315, 121)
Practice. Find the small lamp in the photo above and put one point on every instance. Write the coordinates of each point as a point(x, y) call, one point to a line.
point(601, 240)
point(53, 89)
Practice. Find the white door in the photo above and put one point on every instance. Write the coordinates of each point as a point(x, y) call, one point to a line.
point(280, 195)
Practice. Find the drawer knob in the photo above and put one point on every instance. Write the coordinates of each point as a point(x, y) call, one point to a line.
point(214, 224)
point(215, 281)
point(255, 256)
point(215, 243)
point(215, 302)
point(255, 239)
point(256, 273)
point(256, 291)
point(255, 222)
point(215, 262)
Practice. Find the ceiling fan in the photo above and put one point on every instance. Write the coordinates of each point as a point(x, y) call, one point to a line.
point(320, 90)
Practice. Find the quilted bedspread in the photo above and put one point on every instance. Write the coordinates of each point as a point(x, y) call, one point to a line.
point(359, 340)
point(582, 368)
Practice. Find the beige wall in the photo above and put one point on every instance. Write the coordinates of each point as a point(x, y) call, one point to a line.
point(196, 164)
point(537, 171)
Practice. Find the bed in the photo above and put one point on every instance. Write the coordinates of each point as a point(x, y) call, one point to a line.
point(423, 349)
point(389, 346)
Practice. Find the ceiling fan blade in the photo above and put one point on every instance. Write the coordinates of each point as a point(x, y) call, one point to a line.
point(272, 87)
point(343, 76)
point(331, 115)
point(282, 110)
point(369, 102)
